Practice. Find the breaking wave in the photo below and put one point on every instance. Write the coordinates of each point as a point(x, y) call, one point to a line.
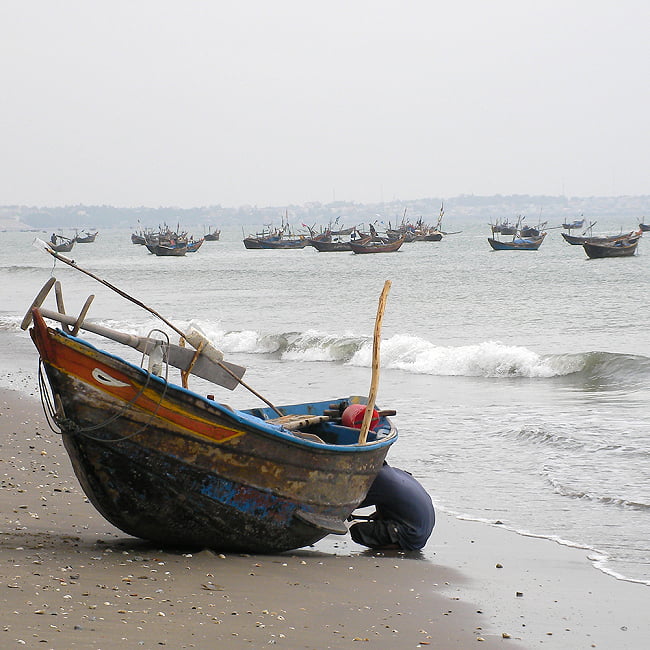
point(412, 354)
point(418, 356)
point(9, 324)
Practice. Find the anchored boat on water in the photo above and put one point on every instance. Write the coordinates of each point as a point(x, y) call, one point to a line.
point(622, 247)
point(517, 243)
point(61, 244)
point(372, 246)
point(164, 463)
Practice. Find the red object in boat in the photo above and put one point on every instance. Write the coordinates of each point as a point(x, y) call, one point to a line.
point(353, 416)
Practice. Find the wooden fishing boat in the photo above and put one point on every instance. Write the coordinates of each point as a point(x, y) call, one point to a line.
point(504, 227)
point(252, 242)
point(212, 236)
point(166, 464)
point(138, 238)
point(65, 246)
point(86, 237)
point(431, 235)
point(281, 237)
point(573, 225)
point(167, 250)
point(373, 246)
point(333, 246)
point(623, 247)
point(644, 227)
point(194, 245)
point(517, 243)
point(336, 244)
point(342, 232)
point(579, 240)
point(283, 243)
point(533, 231)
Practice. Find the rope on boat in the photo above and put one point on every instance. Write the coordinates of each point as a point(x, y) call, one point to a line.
point(46, 399)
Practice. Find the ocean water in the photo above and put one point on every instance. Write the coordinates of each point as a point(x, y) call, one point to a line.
point(521, 379)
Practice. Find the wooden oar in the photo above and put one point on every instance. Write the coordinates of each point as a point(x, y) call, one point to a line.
point(374, 382)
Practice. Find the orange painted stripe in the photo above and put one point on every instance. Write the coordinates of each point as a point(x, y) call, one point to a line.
point(71, 360)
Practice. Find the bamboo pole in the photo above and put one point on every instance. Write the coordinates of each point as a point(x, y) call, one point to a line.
point(374, 382)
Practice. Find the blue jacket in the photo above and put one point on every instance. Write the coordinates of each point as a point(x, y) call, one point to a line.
point(398, 497)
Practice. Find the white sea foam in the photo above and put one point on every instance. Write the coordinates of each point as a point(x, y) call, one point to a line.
point(9, 324)
point(487, 359)
point(403, 352)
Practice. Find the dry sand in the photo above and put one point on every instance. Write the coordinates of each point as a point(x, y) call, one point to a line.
point(68, 579)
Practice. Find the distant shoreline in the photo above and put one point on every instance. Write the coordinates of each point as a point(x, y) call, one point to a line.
point(465, 208)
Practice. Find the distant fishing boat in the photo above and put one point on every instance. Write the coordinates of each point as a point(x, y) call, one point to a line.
point(377, 246)
point(86, 237)
point(284, 242)
point(65, 246)
point(251, 242)
point(573, 225)
point(533, 231)
point(194, 245)
point(579, 240)
point(338, 245)
point(503, 227)
point(625, 247)
point(167, 250)
point(517, 243)
point(277, 238)
point(213, 235)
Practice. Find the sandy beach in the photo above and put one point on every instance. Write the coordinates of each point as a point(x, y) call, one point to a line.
point(68, 579)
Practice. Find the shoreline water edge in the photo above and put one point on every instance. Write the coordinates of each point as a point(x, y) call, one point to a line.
point(69, 579)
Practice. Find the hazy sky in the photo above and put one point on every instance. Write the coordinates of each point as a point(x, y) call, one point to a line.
point(191, 103)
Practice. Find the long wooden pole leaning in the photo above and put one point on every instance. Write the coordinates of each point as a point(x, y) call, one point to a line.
point(43, 246)
point(374, 382)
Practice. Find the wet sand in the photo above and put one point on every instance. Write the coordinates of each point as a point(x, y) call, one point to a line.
point(68, 579)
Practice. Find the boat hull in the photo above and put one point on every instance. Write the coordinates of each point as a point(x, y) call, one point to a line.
point(579, 240)
point(377, 247)
point(252, 243)
point(436, 236)
point(338, 246)
point(66, 247)
point(283, 243)
point(164, 464)
point(194, 246)
point(574, 225)
point(612, 249)
point(531, 244)
point(330, 246)
point(86, 239)
point(167, 251)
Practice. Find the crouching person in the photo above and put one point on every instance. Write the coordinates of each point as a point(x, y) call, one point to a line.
point(404, 516)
